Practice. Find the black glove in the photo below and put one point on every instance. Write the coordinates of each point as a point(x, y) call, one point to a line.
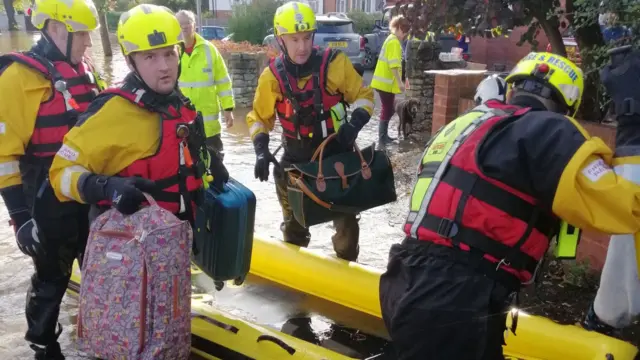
point(218, 170)
point(125, 194)
point(263, 157)
point(348, 132)
point(23, 224)
point(16, 203)
point(29, 240)
point(620, 79)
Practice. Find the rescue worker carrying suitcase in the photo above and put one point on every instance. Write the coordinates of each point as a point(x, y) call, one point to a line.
point(301, 86)
point(491, 190)
point(143, 136)
point(43, 91)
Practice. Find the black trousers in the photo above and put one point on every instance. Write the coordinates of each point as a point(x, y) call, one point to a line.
point(436, 308)
point(63, 232)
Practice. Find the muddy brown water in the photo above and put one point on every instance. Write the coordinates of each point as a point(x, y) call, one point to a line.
point(259, 301)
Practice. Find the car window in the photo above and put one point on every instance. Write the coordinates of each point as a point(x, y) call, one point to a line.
point(335, 27)
point(220, 33)
point(208, 33)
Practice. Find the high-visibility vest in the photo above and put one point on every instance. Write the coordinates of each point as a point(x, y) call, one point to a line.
point(390, 55)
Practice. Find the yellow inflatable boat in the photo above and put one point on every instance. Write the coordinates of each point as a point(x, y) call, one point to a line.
point(356, 286)
point(245, 322)
point(218, 334)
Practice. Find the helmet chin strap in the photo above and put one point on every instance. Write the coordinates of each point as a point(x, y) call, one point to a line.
point(67, 53)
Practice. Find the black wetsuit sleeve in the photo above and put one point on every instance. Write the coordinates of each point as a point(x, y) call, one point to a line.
point(530, 153)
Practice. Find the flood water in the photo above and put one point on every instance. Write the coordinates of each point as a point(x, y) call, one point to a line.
point(380, 228)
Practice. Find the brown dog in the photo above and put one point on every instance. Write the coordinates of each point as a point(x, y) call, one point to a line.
point(407, 110)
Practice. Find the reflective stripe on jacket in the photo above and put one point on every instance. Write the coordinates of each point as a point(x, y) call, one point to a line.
point(204, 79)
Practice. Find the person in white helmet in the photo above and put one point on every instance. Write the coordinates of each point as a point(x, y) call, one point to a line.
point(491, 88)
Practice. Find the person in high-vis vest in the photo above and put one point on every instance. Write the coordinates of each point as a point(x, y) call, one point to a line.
point(306, 88)
point(142, 136)
point(204, 79)
point(387, 79)
point(492, 188)
point(43, 92)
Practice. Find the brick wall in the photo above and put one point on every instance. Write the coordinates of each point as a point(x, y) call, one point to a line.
point(453, 95)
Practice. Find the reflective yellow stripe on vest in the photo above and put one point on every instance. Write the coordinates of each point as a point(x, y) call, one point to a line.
point(383, 78)
point(208, 69)
point(338, 115)
point(436, 158)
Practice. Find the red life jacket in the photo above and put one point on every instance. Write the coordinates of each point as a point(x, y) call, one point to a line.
point(467, 209)
point(179, 183)
point(73, 90)
point(307, 111)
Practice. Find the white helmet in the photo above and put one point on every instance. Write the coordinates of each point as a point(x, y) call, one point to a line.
point(493, 87)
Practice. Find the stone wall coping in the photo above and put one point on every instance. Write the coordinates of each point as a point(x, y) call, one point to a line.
point(456, 72)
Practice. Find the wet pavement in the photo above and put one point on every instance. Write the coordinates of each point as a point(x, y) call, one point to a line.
point(380, 227)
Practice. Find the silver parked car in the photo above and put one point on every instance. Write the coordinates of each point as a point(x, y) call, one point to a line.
point(334, 30)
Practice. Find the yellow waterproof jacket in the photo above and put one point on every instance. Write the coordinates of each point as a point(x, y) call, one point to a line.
point(115, 133)
point(341, 78)
point(22, 90)
point(390, 58)
point(205, 81)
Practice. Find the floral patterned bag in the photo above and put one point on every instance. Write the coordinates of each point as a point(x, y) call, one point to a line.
point(135, 294)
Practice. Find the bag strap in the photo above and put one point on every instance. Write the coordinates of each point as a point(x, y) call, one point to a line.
point(317, 200)
point(319, 154)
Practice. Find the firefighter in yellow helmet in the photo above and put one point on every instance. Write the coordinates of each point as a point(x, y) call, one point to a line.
point(143, 136)
point(43, 92)
point(492, 188)
point(302, 86)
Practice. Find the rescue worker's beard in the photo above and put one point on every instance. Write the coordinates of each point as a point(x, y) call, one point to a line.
point(297, 70)
point(138, 78)
point(158, 102)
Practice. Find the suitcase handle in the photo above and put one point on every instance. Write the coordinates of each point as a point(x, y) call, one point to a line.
point(277, 341)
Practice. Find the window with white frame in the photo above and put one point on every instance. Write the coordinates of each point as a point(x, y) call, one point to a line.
point(341, 5)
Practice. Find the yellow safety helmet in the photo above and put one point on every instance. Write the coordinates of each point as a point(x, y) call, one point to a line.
point(77, 15)
point(148, 27)
point(564, 78)
point(294, 17)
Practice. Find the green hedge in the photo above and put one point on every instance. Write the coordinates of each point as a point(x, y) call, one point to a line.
point(363, 22)
point(250, 22)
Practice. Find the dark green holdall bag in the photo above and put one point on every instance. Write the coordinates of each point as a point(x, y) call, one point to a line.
point(349, 183)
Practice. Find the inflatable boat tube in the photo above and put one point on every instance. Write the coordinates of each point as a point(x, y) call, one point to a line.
point(356, 286)
point(219, 335)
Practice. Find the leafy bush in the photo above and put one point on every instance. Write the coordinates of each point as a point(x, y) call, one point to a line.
point(244, 47)
point(363, 22)
point(234, 47)
point(250, 22)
